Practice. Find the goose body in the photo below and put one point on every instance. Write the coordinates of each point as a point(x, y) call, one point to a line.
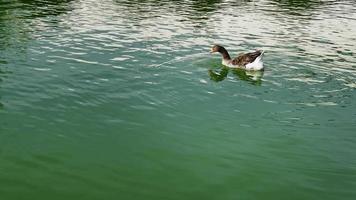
point(249, 61)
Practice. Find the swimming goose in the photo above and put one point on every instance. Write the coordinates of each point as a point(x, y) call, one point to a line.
point(248, 61)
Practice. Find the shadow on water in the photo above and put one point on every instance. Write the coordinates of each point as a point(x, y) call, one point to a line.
point(252, 77)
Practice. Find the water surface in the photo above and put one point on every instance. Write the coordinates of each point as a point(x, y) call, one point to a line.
point(119, 99)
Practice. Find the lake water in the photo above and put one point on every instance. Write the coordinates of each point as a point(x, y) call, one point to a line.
point(119, 99)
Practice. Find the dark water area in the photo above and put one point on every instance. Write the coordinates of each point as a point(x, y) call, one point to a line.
point(118, 99)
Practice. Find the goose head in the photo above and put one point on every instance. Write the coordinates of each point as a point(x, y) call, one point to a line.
point(222, 51)
point(216, 48)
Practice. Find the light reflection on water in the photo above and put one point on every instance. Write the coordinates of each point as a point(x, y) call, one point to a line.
point(122, 98)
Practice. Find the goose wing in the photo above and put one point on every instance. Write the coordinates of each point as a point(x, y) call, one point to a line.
point(244, 59)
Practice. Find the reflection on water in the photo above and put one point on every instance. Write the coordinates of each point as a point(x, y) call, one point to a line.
point(42, 8)
point(201, 10)
point(252, 77)
point(298, 5)
point(2, 75)
point(16, 29)
point(11, 30)
point(218, 75)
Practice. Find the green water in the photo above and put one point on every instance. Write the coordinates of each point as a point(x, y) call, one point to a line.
point(119, 99)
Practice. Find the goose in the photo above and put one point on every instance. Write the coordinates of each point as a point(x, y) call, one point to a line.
point(249, 61)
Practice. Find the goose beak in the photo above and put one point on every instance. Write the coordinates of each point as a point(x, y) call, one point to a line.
point(211, 51)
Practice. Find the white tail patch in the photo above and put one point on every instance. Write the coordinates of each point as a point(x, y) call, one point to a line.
point(257, 64)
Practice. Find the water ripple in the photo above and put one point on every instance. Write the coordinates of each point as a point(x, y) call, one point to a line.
point(104, 96)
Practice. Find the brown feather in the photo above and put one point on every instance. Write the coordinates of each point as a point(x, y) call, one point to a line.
point(244, 59)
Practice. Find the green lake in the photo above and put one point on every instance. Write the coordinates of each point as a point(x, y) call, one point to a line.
point(120, 99)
